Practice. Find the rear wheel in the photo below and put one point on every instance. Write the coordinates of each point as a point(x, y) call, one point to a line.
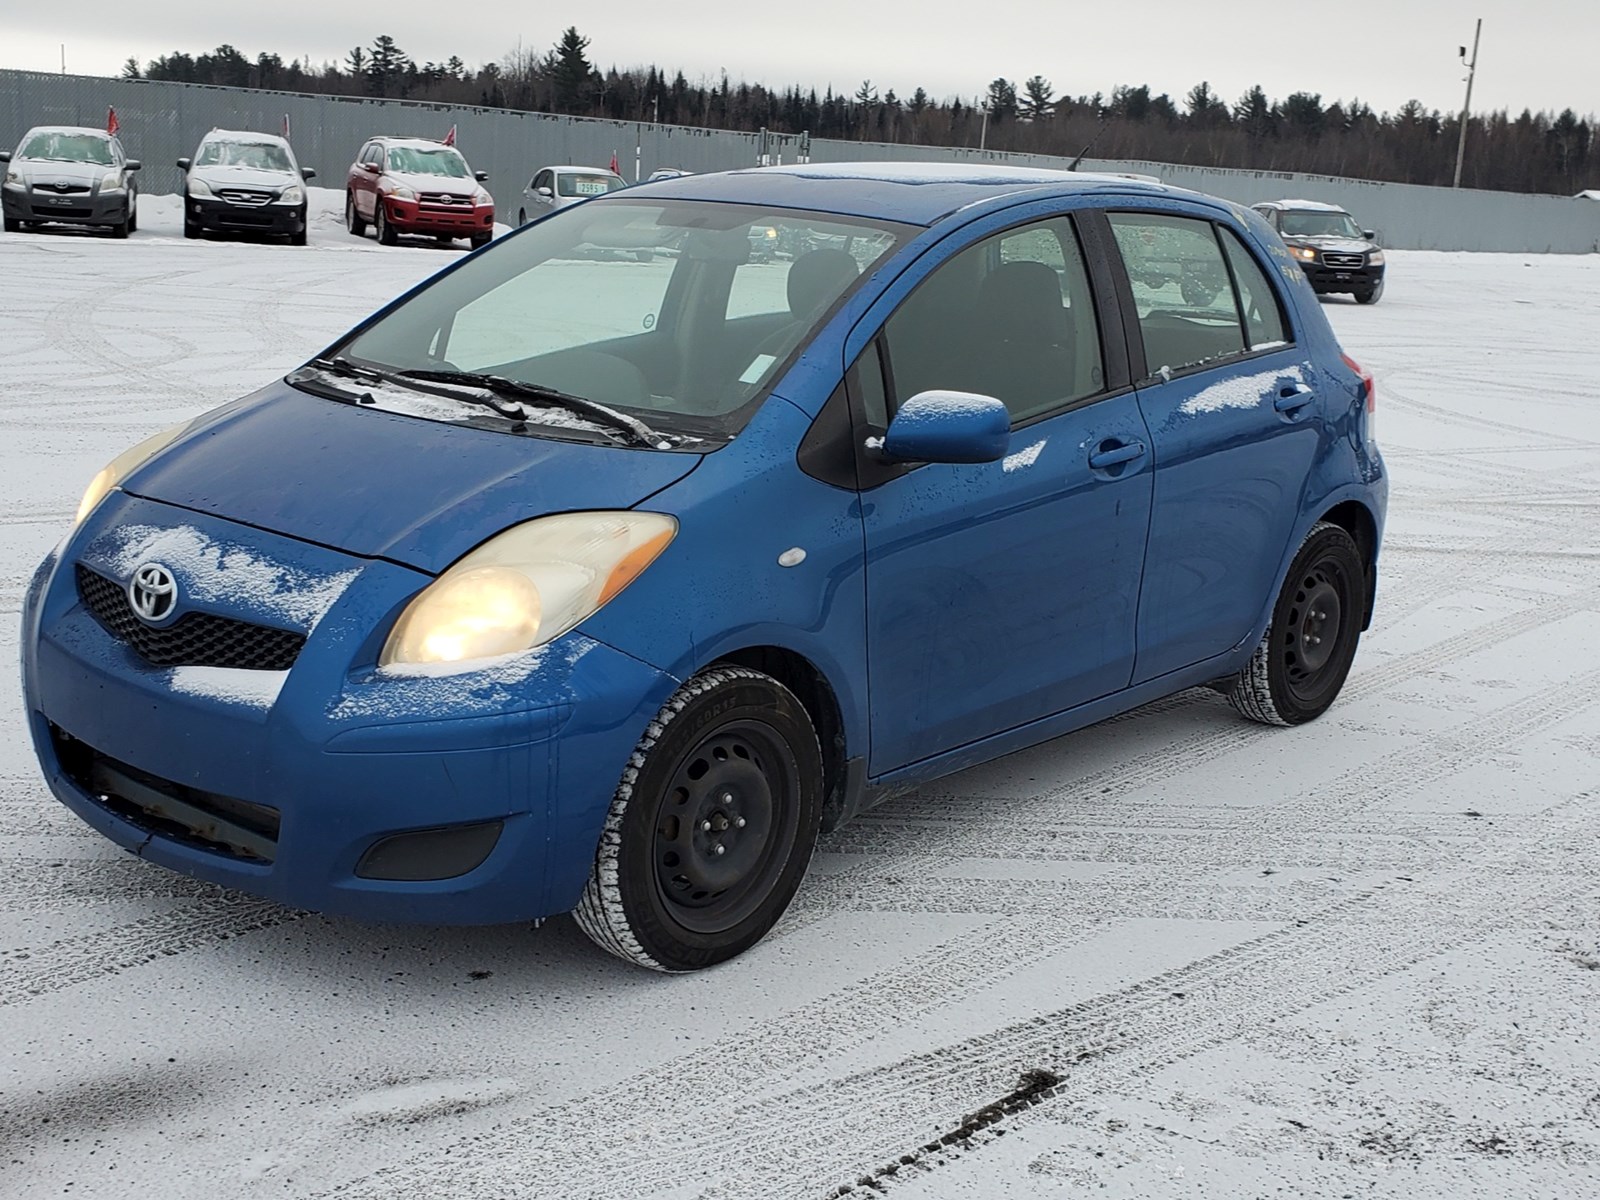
point(352, 218)
point(381, 226)
point(711, 829)
point(1300, 665)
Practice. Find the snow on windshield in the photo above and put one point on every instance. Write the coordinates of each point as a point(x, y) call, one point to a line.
point(415, 160)
point(263, 156)
point(68, 147)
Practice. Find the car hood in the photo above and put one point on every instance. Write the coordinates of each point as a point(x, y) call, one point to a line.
point(381, 485)
point(1336, 244)
point(250, 177)
point(44, 170)
point(436, 183)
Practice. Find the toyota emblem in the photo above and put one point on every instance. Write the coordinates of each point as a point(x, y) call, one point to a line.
point(153, 593)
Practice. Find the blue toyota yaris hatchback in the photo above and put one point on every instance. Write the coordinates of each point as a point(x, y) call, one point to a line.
point(604, 569)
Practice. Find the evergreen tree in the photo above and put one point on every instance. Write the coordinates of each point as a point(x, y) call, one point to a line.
point(572, 76)
point(1038, 102)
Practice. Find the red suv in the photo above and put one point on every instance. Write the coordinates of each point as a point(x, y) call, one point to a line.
point(411, 185)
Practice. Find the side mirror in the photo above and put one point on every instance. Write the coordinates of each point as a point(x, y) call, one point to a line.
point(5, 156)
point(1370, 234)
point(185, 163)
point(949, 427)
point(370, 168)
point(481, 176)
point(132, 164)
point(307, 173)
point(544, 191)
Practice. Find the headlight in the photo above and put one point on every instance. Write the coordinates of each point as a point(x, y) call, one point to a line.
point(13, 176)
point(481, 196)
point(198, 187)
point(111, 183)
point(292, 194)
point(398, 190)
point(1303, 253)
point(1375, 258)
point(123, 465)
point(525, 587)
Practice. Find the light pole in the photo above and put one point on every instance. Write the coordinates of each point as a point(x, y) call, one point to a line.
point(1466, 110)
point(983, 132)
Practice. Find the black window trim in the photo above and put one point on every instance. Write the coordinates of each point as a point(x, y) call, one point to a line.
point(1139, 365)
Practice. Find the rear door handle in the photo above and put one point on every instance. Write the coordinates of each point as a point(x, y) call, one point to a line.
point(1115, 455)
point(1293, 397)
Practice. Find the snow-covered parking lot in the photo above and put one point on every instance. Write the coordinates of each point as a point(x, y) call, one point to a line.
point(1175, 955)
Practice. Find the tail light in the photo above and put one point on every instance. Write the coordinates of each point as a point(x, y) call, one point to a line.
point(1369, 390)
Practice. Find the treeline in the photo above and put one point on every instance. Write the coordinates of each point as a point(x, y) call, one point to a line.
point(1532, 152)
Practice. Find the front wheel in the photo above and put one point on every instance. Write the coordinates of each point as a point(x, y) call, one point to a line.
point(480, 240)
point(711, 828)
point(522, 216)
point(382, 227)
point(12, 225)
point(133, 215)
point(352, 217)
point(1299, 666)
point(1370, 295)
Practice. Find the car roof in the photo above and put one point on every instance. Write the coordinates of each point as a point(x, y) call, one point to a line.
point(585, 170)
point(424, 143)
point(1301, 205)
point(916, 193)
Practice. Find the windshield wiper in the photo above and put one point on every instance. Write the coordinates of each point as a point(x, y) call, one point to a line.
point(636, 430)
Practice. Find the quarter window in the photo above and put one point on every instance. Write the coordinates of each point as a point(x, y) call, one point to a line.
point(1011, 317)
point(1263, 319)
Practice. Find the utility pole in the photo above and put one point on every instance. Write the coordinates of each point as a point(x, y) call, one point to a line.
point(983, 132)
point(1466, 111)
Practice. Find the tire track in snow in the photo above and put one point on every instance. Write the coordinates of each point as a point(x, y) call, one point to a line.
point(743, 1138)
point(28, 974)
point(50, 884)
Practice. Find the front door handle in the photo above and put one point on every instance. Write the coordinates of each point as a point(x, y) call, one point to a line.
point(1113, 454)
point(1293, 397)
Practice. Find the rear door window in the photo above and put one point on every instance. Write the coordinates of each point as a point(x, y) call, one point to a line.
point(1182, 290)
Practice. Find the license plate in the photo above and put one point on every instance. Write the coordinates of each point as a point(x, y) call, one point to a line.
point(1342, 276)
point(59, 200)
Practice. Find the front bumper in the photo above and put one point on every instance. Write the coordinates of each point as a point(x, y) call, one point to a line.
point(75, 208)
point(457, 220)
point(1324, 278)
point(211, 213)
point(301, 782)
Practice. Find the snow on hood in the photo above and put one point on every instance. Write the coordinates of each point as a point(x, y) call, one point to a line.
point(252, 177)
point(436, 183)
point(222, 573)
point(44, 170)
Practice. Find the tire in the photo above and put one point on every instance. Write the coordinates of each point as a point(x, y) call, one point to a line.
point(191, 229)
point(123, 227)
point(382, 227)
point(1370, 295)
point(1296, 672)
point(12, 225)
point(479, 240)
point(299, 238)
point(352, 218)
point(731, 745)
point(133, 215)
point(522, 216)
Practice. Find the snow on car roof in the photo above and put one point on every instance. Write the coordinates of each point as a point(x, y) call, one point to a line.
point(420, 142)
point(80, 129)
point(245, 136)
point(1309, 205)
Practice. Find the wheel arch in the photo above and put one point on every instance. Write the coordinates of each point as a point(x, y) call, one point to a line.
point(1356, 519)
point(842, 775)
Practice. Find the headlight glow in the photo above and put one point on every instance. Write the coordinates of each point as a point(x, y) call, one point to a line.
point(123, 465)
point(198, 187)
point(524, 588)
point(1303, 253)
point(292, 195)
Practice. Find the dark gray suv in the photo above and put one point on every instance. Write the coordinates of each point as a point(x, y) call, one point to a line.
point(1336, 254)
point(66, 174)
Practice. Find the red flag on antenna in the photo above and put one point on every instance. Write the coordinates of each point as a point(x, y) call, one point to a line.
point(450, 138)
point(112, 124)
point(614, 162)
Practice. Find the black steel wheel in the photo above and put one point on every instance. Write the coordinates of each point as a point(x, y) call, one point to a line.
point(713, 825)
point(1301, 663)
point(352, 216)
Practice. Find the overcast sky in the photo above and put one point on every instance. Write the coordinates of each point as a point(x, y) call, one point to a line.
point(1540, 54)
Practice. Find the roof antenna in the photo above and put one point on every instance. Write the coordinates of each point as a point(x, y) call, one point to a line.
point(1084, 153)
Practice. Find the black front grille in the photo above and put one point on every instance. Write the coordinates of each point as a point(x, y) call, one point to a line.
point(45, 212)
point(239, 196)
point(209, 820)
point(1343, 260)
point(195, 639)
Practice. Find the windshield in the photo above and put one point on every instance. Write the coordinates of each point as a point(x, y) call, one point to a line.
point(587, 185)
point(662, 310)
point(68, 147)
point(415, 160)
point(1319, 224)
point(264, 156)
